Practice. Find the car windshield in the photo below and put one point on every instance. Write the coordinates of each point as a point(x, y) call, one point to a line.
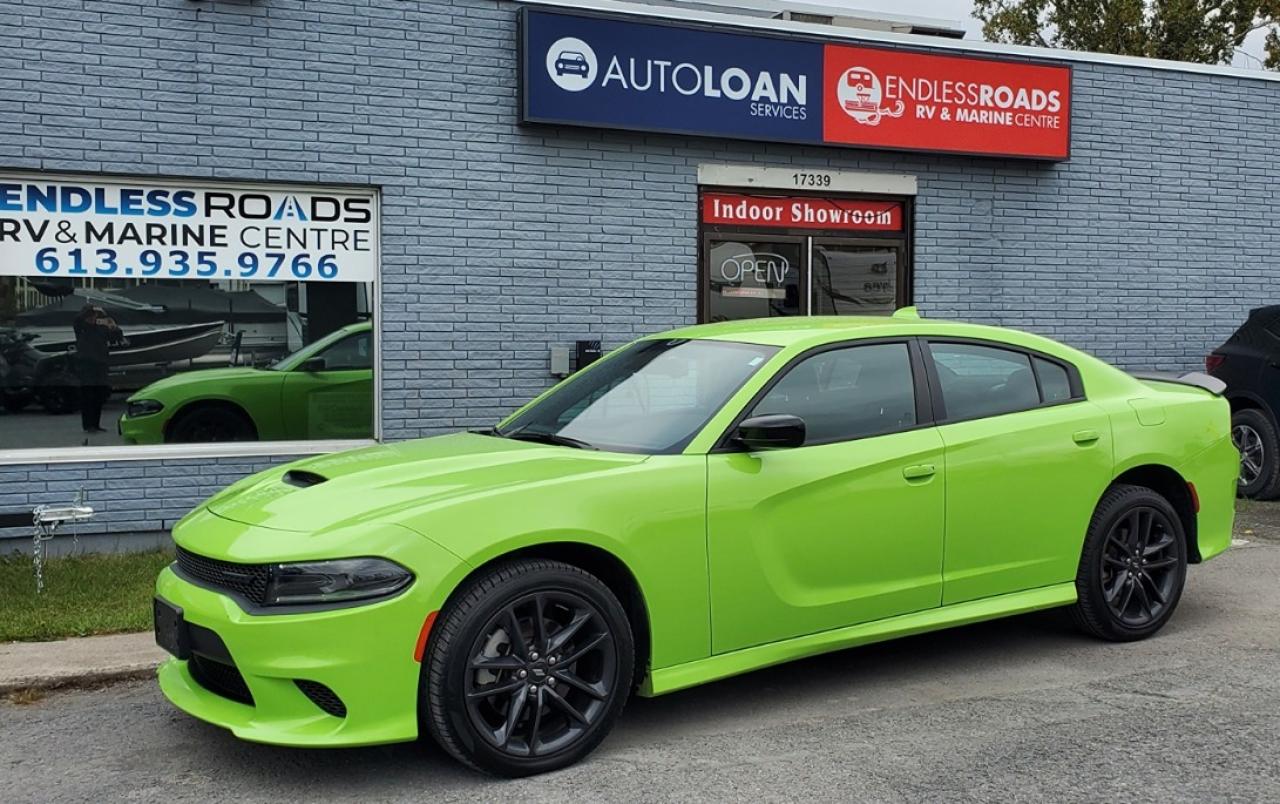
point(290, 361)
point(651, 398)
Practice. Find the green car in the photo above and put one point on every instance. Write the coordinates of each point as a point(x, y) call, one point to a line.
point(324, 390)
point(698, 504)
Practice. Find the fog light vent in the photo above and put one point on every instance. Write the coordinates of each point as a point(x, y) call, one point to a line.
point(322, 697)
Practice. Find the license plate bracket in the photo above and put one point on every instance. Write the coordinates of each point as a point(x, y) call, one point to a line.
point(171, 629)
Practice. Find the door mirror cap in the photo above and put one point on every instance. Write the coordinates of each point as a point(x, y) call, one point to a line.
point(772, 431)
point(312, 365)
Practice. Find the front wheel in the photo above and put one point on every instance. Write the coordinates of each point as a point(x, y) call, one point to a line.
point(1133, 566)
point(528, 668)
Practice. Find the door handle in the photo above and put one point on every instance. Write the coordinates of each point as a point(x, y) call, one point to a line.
point(919, 472)
point(1085, 437)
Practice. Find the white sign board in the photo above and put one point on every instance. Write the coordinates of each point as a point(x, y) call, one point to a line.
point(206, 231)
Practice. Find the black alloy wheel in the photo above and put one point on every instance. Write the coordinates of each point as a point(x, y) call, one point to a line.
point(1255, 436)
point(542, 672)
point(1140, 563)
point(527, 668)
point(1133, 566)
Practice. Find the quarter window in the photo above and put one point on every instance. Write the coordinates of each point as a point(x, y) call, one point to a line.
point(1055, 386)
point(849, 393)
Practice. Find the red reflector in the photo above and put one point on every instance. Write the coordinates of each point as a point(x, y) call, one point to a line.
point(1195, 498)
point(426, 631)
point(1213, 361)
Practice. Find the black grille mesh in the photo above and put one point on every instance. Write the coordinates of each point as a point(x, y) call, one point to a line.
point(246, 580)
point(322, 697)
point(220, 679)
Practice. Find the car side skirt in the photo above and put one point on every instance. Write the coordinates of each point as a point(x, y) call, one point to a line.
point(690, 674)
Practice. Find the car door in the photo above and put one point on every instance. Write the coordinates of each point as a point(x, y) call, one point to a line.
point(331, 395)
point(1027, 458)
point(842, 530)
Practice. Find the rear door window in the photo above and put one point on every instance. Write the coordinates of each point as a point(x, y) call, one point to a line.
point(978, 381)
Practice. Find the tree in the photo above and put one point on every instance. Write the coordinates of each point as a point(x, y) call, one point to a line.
point(1205, 31)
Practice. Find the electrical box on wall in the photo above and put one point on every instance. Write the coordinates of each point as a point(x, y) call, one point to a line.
point(565, 360)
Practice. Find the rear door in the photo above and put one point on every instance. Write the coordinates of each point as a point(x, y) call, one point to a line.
point(1027, 458)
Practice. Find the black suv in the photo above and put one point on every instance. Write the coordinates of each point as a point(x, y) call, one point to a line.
point(1249, 363)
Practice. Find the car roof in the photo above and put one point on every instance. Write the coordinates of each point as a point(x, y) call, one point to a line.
point(815, 330)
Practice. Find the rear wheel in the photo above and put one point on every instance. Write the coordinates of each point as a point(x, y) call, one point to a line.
point(209, 423)
point(1254, 434)
point(528, 669)
point(1133, 566)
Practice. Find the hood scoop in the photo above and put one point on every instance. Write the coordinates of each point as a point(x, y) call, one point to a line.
point(302, 478)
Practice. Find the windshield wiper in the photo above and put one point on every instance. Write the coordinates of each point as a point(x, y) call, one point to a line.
point(546, 438)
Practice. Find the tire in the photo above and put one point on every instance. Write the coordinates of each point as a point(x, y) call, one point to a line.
point(1255, 435)
point(590, 622)
point(1133, 566)
point(16, 402)
point(210, 423)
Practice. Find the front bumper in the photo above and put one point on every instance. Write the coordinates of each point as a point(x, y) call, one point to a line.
point(363, 654)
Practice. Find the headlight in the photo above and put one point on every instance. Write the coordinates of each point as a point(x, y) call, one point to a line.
point(339, 581)
point(142, 407)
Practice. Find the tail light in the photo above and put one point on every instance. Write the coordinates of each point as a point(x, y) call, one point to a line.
point(1213, 362)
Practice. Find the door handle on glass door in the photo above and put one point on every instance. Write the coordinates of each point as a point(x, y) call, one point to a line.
point(1085, 437)
point(919, 472)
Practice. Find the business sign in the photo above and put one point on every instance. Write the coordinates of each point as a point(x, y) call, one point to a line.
point(151, 229)
point(615, 72)
point(802, 212)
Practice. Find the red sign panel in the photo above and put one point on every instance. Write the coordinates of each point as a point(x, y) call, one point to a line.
point(917, 101)
point(802, 212)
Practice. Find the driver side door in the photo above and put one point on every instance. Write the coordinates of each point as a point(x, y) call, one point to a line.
point(848, 527)
point(336, 400)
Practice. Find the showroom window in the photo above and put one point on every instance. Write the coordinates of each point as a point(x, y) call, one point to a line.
point(775, 255)
point(159, 314)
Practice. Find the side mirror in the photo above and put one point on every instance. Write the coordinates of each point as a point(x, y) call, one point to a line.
point(773, 431)
point(312, 365)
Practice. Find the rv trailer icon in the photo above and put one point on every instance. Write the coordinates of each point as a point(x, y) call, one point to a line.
point(861, 96)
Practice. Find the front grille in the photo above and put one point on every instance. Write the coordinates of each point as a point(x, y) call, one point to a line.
point(322, 697)
point(248, 581)
point(220, 679)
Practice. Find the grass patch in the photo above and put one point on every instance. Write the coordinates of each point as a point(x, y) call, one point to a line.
point(83, 595)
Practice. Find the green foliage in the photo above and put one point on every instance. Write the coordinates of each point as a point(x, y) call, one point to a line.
point(83, 595)
point(1205, 31)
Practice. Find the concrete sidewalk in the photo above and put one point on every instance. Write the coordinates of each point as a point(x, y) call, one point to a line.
point(79, 661)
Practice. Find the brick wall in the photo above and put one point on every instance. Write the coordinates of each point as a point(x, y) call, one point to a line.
point(498, 241)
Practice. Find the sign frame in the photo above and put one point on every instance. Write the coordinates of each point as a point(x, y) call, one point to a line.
point(525, 117)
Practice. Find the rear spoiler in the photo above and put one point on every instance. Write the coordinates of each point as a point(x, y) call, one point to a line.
point(1197, 379)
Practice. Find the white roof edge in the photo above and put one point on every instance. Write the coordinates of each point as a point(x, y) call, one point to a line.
point(908, 40)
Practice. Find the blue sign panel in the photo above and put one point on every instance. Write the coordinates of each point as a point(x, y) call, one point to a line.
point(612, 73)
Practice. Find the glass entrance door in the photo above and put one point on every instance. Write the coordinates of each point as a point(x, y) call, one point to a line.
point(849, 277)
point(750, 278)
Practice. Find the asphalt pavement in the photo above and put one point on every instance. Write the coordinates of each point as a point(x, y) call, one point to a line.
point(1019, 710)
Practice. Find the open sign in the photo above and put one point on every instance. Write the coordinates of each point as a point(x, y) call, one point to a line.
point(764, 266)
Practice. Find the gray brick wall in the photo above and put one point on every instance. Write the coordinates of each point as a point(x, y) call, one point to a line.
point(499, 241)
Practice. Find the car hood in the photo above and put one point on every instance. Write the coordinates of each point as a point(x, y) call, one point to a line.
point(203, 377)
point(388, 481)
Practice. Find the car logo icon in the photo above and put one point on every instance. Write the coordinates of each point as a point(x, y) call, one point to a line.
point(571, 64)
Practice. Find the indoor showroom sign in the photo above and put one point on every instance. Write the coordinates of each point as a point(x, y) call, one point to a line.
point(56, 226)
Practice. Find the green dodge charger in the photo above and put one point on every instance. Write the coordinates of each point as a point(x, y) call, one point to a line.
point(324, 390)
point(699, 504)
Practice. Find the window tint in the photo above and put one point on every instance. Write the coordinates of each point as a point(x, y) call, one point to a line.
point(1054, 384)
point(349, 353)
point(982, 380)
point(847, 393)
